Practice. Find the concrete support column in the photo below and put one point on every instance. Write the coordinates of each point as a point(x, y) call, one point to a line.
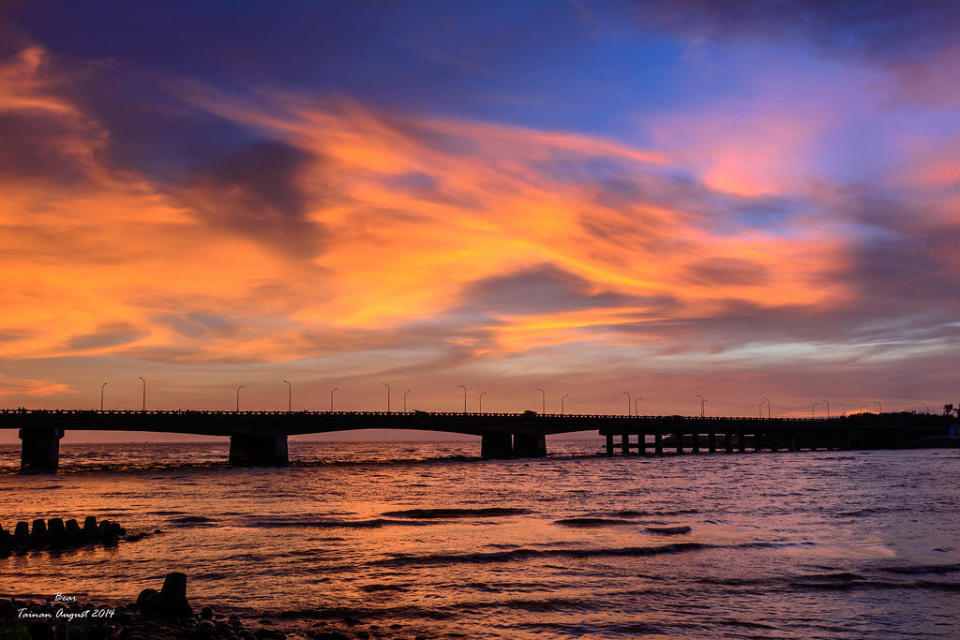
point(255, 450)
point(609, 444)
point(625, 444)
point(658, 443)
point(40, 449)
point(495, 445)
point(757, 441)
point(679, 437)
point(741, 441)
point(696, 441)
point(728, 442)
point(529, 445)
point(712, 442)
point(642, 444)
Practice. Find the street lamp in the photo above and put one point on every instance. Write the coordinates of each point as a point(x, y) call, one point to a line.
point(827, 402)
point(464, 396)
point(405, 400)
point(481, 401)
point(289, 396)
point(636, 406)
point(879, 406)
point(767, 400)
point(702, 402)
point(331, 397)
point(629, 401)
point(143, 394)
point(543, 400)
point(388, 395)
point(562, 398)
point(238, 398)
point(101, 395)
point(813, 409)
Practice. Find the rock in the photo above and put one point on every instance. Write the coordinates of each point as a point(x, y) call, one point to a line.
point(90, 531)
point(350, 622)
point(21, 535)
point(174, 593)
point(363, 635)
point(74, 535)
point(207, 629)
point(206, 613)
point(270, 634)
point(38, 534)
point(329, 635)
point(146, 596)
point(56, 532)
point(234, 621)
point(41, 630)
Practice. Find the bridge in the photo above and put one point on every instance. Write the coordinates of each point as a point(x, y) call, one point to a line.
point(260, 437)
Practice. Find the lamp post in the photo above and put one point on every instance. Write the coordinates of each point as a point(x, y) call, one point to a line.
point(388, 396)
point(331, 397)
point(702, 402)
point(813, 409)
point(827, 403)
point(405, 399)
point(238, 398)
point(464, 387)
point(879, 406)
point(767, 400)
point(101, 395)
point(289, 396)
point(562, 408)
point(143, 394)
point(629, 401)
point(760, 409)
point(481, 401)
point(543, 400)
point(636, 405)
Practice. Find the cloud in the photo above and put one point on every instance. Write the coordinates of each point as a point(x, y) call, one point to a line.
point(31, 387)
point(107, 335)
point(257, 193)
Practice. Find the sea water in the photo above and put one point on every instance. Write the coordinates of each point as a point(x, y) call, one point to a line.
point(767, 545)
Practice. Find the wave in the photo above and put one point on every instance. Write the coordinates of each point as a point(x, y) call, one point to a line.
point(668, 531)
point(278, 522)
point(525, 553)
point(437, 514)
point(924, 569)
point(593, 522)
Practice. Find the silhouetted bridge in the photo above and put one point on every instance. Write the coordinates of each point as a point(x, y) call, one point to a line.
point(260, 437)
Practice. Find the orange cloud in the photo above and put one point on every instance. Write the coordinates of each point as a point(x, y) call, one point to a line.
point(359, 230)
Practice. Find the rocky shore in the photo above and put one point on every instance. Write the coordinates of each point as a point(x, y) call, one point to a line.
point(167, 615)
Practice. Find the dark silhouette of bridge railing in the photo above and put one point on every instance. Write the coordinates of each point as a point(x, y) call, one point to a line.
point(260, 437)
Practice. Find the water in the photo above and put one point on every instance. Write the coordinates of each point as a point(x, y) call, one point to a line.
point(780, 545)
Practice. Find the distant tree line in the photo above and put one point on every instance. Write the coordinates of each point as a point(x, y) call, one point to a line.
point(949, 410)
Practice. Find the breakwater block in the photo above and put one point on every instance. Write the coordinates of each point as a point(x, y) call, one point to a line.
point(56, 535)
point(170, 601)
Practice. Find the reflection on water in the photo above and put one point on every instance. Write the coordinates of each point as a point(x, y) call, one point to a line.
point(826, 544)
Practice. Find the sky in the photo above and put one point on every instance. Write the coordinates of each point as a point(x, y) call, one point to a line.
point(737, 200)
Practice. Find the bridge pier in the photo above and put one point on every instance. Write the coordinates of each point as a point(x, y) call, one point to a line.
point(658, 443)
point(40, 449)
point(530, 445)
point(495, 444)
point(255, 450)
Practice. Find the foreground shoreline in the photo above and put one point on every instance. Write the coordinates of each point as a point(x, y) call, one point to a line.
point(161, 616)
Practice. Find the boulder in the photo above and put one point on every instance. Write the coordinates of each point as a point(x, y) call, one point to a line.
point(170, 602)
point(74, 535)
point(21, 535)
point(56, 532)
point(38, 534)
point(90, 531)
